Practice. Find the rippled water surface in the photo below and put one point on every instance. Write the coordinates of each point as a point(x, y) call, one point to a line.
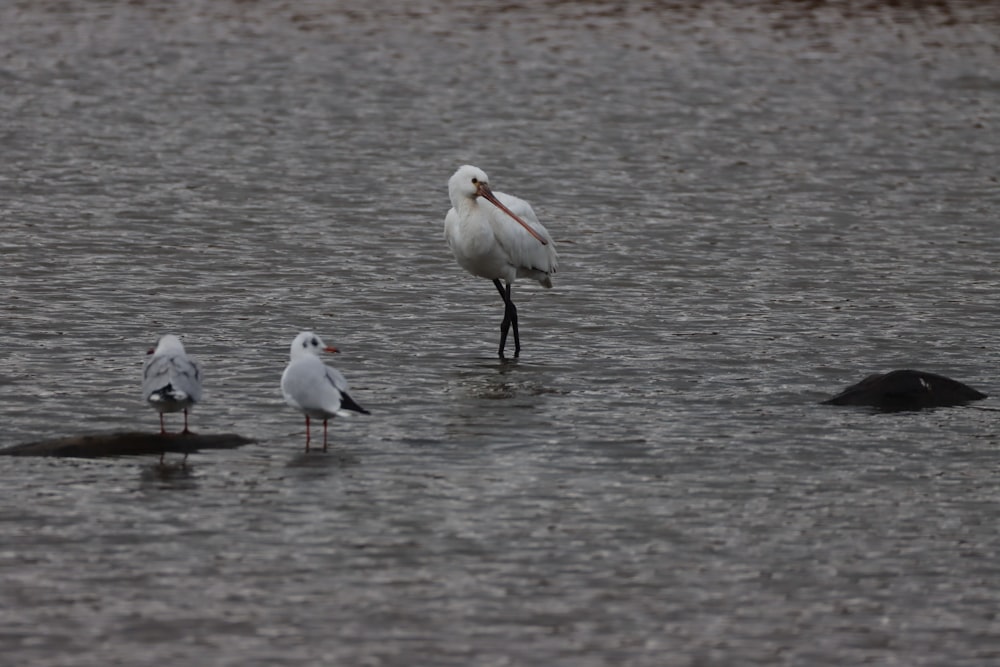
point(754, 206)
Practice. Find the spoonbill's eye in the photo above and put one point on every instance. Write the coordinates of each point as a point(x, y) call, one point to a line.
point(474, 180)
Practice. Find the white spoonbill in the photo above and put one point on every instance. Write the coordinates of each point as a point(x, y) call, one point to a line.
point(171, 382)
point(312, 387)
point(497, 239)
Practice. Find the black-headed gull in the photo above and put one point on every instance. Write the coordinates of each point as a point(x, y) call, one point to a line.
point(312, 387)
point(497, 239)
point(171, 382)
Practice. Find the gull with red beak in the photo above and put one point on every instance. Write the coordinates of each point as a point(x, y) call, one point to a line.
point(313, 388)
point(498, 237)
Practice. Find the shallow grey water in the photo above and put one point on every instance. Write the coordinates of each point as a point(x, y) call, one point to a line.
point(753, 206)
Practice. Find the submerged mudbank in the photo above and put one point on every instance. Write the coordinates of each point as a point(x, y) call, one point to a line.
point(907, 390)
point(131, 443)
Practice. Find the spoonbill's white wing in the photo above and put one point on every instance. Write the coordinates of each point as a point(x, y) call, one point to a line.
point(526, 253)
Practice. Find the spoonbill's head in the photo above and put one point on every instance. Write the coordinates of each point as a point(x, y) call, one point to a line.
point(470, 182)
point(467, 183)
point(309, 343)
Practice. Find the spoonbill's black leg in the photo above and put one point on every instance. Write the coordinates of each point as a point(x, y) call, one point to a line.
point(509, 318)
point(513, 321)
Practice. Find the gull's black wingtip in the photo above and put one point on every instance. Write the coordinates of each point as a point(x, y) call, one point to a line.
point(348, 403)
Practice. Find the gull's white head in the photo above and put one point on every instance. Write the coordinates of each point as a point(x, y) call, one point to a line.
point(167, 343)
point(467, 182)
point(309, 343)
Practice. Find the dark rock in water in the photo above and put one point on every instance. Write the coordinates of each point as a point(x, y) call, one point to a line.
point(906, 390)
point(125, 444)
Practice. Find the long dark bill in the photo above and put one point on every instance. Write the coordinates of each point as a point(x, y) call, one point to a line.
point(485, 192)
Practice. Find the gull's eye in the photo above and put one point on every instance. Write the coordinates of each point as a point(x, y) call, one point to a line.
point(474, 180)
point(314, 342)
